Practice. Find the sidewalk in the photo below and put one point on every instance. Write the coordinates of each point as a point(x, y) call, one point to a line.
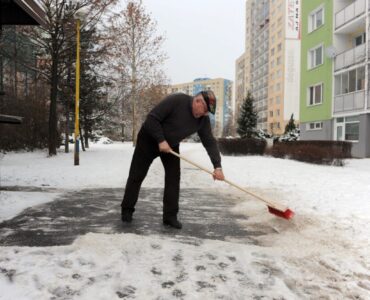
point(205, 215)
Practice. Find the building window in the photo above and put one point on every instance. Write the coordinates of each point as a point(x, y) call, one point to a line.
point(359, 40)
point(278, 100)
point(279, 47)
point(278, 112)
point(315, 57)
point(348, 129)
point(350, 81)
point(315, 94)
point(278, 61)
point(316, 19)
point(314, 126)
point(272, 51)
point(271, 113)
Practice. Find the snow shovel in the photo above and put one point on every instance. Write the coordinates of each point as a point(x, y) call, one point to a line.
point(273, 207)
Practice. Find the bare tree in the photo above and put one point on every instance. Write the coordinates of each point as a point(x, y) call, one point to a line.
point(52, 40)
point(138, 51)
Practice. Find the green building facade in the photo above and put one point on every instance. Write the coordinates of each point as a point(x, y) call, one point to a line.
point(316, 70)
point(334, 96)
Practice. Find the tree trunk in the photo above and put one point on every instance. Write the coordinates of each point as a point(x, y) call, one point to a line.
point(86, 136)
point(134, 97)
point(133, 122)
point(66, 142)
point(15, 65)
point(133, 83)
point(69, 94)
point(87, 140)
point(82, 140)
point(123, 132)
point(53, 106)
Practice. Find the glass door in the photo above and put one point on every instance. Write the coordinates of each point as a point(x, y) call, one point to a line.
point(339, 129)
point(339, 133)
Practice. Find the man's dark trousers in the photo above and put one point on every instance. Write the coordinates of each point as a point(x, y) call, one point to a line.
point(146, 151)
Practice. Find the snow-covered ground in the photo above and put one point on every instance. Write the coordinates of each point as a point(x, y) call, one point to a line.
point(322, 253)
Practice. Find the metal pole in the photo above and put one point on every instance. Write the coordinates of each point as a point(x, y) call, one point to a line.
point(77, 102)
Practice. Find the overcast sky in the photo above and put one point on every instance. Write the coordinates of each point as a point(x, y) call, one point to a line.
point(203, 37)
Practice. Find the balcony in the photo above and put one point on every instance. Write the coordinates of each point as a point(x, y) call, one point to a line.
point(349, 102)
point(349, 13)
point(350, 57)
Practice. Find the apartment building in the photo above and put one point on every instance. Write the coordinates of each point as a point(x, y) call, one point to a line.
point(243, 65)
point(335, 56)
point(259, 57)
point(223, 91)
point(272, 61)
point(284, 64)
point(240, 91)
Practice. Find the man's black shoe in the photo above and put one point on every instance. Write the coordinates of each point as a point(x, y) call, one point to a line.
point(172, 222)
point(126, 215)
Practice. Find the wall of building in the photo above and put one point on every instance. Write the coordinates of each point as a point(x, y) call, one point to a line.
point(249, 8)
point(362, 148)
point(321, 74)
point(292, 80)
point(239, 86)
point(322, 134)
point(292, 50)
point(260, 59)
point(275, 105)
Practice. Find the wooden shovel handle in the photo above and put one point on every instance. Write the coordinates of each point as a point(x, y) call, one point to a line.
point(268, 202)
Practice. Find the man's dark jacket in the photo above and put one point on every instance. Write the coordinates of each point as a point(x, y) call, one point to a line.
point(172, 120)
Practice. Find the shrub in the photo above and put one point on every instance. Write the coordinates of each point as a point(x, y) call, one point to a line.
point(237, 146)
point(317, 152)
point(33, 132)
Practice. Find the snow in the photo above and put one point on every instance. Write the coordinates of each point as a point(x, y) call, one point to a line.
point(323, 252)
point(13, 203)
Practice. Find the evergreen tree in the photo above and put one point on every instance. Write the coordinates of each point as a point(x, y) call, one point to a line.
point(291, 125)
point(247, 120)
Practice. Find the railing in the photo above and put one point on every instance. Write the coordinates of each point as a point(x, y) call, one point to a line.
point(349, 102)
point(350, 12)
point(350, 57)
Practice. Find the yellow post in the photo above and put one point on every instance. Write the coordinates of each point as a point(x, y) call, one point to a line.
point(77, 102)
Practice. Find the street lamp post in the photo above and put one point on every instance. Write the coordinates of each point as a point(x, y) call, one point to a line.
point(79, 15)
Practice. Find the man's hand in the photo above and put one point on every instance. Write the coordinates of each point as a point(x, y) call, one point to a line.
point(218, 174)
point(164, 147)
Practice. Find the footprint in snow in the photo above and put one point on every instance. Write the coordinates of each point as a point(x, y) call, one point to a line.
point(211, 257)
point(167, 284)
point(156, 246)
point(178, 293)
point(156, 271)
point(200, 268)
point(222, 265)
point(232, 258)
point(127, 292)
point(205, 285)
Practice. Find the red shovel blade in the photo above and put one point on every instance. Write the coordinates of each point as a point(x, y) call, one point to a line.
point(287, 214)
